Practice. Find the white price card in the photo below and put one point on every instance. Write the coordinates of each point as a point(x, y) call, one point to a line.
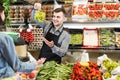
point(90, 38)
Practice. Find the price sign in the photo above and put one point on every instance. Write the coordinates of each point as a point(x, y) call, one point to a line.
point(90, 38)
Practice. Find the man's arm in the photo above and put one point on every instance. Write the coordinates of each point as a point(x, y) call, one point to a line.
point(63, 48)
point(41, 24)
point(56, 49)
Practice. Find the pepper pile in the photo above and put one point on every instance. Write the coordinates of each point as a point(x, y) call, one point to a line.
point(27, 35)
point(90, 72)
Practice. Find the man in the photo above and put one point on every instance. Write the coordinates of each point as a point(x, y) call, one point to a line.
point(56, 39)
point(9, 61)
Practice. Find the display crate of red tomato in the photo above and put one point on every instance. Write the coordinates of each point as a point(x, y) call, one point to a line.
point(111, 6)
point(95, 15)
point(86, 72)
point(95, 6)
point(111, 14)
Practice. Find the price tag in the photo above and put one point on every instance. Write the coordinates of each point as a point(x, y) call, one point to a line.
point(90, 38)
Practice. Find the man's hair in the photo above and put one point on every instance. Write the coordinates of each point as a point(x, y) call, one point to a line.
point(60, 10)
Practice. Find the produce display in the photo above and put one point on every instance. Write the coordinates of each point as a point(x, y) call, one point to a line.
point(107, 37)
point(95, 6)
point(76, 39)
point(39, 16)
point(117, 38)
point(27, 35)
point(53, 71)
point(103, 1)
point(118, 77)
point(103, 12)
point(90, 72)
point(110, 66)
point(25, 76)
point(111, 6)
point(103, 69)
point(78, 71)
point(93, 12)
point(79, 10)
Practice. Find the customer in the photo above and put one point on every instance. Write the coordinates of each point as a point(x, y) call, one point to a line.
point(56, 38)
point(9, 61)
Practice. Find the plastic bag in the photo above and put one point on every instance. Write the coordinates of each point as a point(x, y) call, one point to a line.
point(32, 59)
point(116, 71)
point(101, 58)
point(85, 57)
point(56, 5)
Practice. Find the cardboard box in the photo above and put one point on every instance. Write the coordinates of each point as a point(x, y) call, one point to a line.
point(21, 50)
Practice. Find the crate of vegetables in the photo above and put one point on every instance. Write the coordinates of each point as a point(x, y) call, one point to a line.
point(95, 6)
point(76, 38)
point(111, 6)
point(54, 71)
point(111, 15)
point(86, 71)
point(95, 15)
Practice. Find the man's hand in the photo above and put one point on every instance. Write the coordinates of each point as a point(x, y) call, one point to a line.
point(49, 43)
point(37, 6)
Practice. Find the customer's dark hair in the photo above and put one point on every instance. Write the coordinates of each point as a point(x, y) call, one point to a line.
point(1, 6)
point(60, 10)
point(1, 9)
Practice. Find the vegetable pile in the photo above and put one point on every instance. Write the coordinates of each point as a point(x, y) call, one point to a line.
point(90, 72)
point(76, 39)
point(39, 16)
point(110, 65)
point(53, 71)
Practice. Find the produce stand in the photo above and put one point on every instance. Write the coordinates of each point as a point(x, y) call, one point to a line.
point(100, 15)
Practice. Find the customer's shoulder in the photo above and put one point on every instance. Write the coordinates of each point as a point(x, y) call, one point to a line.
point(4, 36)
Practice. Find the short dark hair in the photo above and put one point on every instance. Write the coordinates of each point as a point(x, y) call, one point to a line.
point(60, 10)
point(1, 7)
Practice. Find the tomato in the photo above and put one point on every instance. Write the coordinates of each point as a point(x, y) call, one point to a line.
point(31, 75)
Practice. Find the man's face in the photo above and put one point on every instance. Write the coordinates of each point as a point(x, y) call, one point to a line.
point(58, 19)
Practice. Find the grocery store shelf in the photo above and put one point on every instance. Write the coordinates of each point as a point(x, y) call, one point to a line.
point(81, 25)
point(21, 23)
point(100, 49)
point(94, 50)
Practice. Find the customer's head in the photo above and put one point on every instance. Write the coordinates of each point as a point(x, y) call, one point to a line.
point(2, 15)
point(59, 16)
